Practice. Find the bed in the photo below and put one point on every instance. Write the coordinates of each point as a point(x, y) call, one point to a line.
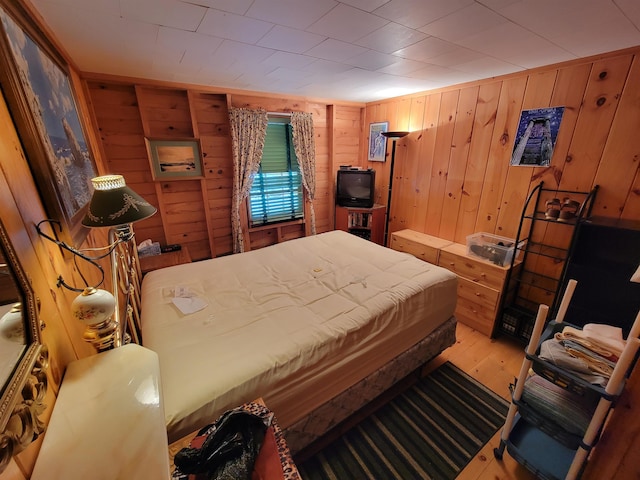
point(316, 327)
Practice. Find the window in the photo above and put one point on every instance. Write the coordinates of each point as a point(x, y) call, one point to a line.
point(276, 194)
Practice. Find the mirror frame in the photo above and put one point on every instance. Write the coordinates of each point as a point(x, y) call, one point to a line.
point(22, 399)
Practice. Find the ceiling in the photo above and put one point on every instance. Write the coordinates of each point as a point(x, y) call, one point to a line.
point(350, 50)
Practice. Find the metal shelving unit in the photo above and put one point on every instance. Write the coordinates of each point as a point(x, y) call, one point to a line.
point(527, 286)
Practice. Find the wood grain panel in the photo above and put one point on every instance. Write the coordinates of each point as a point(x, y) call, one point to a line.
point(458, 160)
point(600, 102)
point(620, 162)
point(440, 165)
point(476, 164)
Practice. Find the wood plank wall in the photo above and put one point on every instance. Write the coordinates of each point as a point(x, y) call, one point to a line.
point(196, 212)
point(452, 175)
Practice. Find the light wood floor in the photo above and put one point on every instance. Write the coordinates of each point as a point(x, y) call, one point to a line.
point(495, 363)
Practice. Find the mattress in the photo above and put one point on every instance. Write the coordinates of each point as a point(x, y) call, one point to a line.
point(295, 323)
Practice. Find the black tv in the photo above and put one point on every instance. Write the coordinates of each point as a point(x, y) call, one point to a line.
point(355, 188)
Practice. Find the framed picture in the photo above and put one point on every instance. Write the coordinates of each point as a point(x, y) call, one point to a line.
point(377, 143)
point(175, 159)
point(38, 92)
point(536, 137)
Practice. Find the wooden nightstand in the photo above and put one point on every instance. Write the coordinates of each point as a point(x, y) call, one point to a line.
point(168, 259)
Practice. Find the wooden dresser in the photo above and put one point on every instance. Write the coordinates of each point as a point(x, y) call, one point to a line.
point(481, 283)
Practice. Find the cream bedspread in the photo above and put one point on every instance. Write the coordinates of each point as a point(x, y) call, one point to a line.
point(295, 323)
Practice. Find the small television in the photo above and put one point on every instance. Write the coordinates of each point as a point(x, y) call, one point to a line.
point(355, 187)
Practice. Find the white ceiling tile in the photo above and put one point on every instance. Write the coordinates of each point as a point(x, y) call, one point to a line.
point(402, 67)
point(195, 43)
point(326, 67)
point(168, 13)
point(478, 39)
point(347, 23)
point(231, 52)
point(418, 13)
point(292, 13)
point(366, 5)
point(391, 37)
point(426, 49)
point(506, 40)
point(371, 60)
point(239, 7)
point(288, 60)
point(482, 68)
point(233, 27)
point(464, 22)
point(455, 57)
point(290, 40)
point(335, 50)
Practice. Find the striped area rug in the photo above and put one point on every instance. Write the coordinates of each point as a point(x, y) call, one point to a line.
point(429, 431)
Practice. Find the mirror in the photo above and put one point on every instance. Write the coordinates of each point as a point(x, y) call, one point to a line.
point(23, 360)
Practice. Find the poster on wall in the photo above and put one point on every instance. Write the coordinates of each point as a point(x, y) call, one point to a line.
point(377, 143)
point(536, 137)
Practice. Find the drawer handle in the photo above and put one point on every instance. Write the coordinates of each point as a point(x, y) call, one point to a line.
point(483, 274)
point(477, 294)
point(452, 264)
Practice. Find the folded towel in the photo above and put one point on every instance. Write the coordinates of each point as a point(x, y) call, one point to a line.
point(554, 352)
point(605, 340)
point(567, 409)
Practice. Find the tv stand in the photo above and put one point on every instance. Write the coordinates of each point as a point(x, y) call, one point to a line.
point(367, 223)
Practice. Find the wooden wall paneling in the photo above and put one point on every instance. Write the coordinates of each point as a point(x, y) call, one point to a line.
point(631, 209)
point(519, 182)
point(440, 166)
point(425, 155)
point(346, 132)
point(402, 117)
point(374, 114)
point(568, 91)
point(458, 158)
point(165, 112)
point(184, 218)
point(601, 98)
point(620, 161)
point(483, 126)
point(406, 166)
point(507, 116)
point(519, 178)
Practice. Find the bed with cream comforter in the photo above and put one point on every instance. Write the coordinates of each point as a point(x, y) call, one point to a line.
point(298, 323)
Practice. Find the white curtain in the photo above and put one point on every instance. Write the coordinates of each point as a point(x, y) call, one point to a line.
point(248, 130)
point(304, 144)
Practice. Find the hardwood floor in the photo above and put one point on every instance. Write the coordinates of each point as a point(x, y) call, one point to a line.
point(495, 363)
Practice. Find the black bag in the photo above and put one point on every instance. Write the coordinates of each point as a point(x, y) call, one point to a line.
point(229, 450)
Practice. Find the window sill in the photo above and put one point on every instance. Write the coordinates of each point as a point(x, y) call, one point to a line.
point(276, 225)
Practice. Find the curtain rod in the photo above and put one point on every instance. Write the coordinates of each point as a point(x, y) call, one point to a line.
point(279, 114)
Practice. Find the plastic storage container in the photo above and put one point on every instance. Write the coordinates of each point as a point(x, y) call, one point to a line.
point(493, 248)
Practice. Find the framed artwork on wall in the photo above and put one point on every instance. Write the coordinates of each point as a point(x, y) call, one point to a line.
point(377, 143)
point(536, 137)
point(175, 159)
point(39, 94)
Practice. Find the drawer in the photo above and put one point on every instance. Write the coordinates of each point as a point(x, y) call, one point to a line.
point(475, 316)
point(478, 294)
point(420, 245)
point(475, 270)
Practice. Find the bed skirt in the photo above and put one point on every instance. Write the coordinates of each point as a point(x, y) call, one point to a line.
point(327, 416)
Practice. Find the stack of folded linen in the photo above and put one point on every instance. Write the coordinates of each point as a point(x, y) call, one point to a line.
point(590, 353)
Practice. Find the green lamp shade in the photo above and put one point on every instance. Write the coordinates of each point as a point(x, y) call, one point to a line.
point(113, 203)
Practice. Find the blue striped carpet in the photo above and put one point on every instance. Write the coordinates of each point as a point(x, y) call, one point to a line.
point(429, 431)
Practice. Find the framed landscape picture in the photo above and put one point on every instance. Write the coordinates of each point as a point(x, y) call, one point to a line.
point(175, 159)
point(39, 94)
